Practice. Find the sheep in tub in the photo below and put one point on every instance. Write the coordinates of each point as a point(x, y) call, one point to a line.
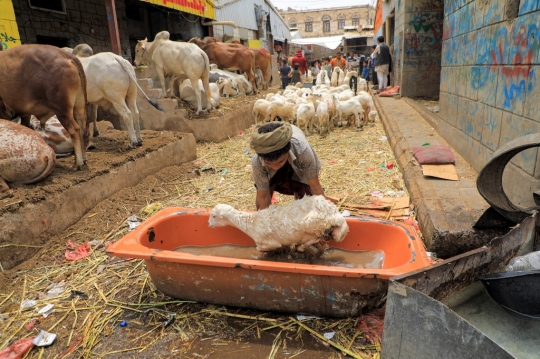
point(295, 226)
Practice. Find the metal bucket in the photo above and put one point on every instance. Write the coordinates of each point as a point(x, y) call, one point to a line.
point(517, 292)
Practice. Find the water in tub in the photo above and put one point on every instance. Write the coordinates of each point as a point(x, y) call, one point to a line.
point(331, 257)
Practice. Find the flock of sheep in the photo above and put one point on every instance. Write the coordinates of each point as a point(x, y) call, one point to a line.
point(325, 105)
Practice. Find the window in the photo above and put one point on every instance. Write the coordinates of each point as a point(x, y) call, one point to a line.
point(309, 25)
point(355, 20)
point(51, 5)
point(293, 24)
point(326, 23)
point(341, 22)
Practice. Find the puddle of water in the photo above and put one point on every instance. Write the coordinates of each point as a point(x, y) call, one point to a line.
point(333, 257)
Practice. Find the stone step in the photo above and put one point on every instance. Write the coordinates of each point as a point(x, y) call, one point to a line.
point(155, 94)
point(146, 84)
point(168, 104)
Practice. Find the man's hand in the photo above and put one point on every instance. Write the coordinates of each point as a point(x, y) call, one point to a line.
point(263, 199)
point(315, 186)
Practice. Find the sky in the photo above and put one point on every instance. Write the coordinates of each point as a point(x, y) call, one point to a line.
point(317, 4)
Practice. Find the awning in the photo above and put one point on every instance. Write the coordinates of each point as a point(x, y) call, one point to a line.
point(295, 35)
point(331, 42)
point(279, 38)
point(357, 35)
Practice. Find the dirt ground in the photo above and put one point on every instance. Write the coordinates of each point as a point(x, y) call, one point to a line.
point(102, 292)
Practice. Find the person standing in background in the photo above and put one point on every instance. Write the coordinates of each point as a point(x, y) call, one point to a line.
point(338, 61)
point(372, 72)
point(382, 63)
point(302, 65)
point(284, 73)
point(315, 68)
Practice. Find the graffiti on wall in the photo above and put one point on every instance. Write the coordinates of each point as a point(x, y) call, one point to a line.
point(9, 32)
point(511, 55)
point(422, 44)
point(425, 21)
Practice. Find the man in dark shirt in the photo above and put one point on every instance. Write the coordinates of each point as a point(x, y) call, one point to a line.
point(382, 63)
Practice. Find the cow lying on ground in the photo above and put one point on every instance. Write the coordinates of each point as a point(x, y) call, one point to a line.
point(56, 136)
point(187, 93)
point(54, 84)
point(24, 156)
point(175, 59)
point(240, 81)
point(227, 87)
point(229, 56)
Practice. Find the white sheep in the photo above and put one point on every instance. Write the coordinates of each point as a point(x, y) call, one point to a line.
point(304, 116)
point(322, 118)
point(348, 76)
point(362, 85)
point(332, 113)
point(284, 110)
point(260, 109)
point(348, 108)
point(345, 95)
point(366, 101)
point(335, 76)
point(341, 78)
point(294, 226)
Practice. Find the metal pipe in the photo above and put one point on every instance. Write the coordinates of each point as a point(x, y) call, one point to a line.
point(225, 23)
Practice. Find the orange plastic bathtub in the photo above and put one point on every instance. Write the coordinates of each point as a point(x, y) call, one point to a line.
point(267, 285)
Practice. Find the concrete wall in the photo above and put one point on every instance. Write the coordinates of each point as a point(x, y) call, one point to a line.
point(489, 91)
point(85, 21)
point(417, 45)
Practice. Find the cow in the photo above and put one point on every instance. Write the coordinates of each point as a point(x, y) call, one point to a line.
point(263, 59)
point(226, 85)
point(24, 156)
point(176, 59)
point(54, 134)
point(111, 81)
point(44, 80)
point(229, 56)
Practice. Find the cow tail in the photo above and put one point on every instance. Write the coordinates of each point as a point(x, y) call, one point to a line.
point(122, 63)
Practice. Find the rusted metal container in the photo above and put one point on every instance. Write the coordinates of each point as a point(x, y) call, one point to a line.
point(268, 285)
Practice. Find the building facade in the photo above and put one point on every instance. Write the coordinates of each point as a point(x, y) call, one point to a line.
point(328, 22)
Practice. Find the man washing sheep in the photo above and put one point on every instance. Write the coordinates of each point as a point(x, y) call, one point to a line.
point(284, 162)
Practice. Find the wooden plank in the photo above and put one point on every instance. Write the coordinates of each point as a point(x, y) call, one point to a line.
point(110, 7)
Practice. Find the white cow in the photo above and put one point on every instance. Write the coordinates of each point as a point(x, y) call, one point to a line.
point(188, 94)
point(176, 59)
point(110, 79)
point(242, 83)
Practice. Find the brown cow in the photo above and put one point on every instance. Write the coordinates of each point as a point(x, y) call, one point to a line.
point(263, 58)
point(43, 81)
point(263, 61)
point(229, 56)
